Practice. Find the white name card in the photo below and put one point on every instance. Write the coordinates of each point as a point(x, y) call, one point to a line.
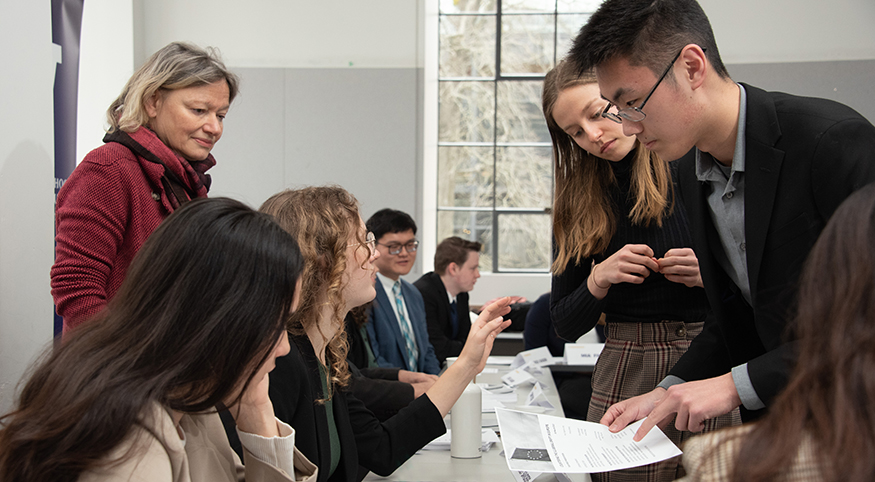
point(538, 357)
point(517, 377)
point(537, 398)
point(582, 353)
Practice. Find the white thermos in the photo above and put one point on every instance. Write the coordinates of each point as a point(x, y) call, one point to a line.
point(465, 424)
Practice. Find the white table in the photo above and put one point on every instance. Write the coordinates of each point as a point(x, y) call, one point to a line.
point(438, 466)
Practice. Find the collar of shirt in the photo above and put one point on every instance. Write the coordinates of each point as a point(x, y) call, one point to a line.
point(706, 168)
point(387, 283)
point(451, 297)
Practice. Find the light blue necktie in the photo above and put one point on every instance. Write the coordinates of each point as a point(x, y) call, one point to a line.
point(412, 354)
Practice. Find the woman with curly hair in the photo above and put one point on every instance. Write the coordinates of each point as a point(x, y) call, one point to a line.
point(308, 387)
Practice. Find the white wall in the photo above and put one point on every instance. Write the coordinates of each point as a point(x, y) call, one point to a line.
point(104, 66)
point(291, 33)
point(26, 187)
point(759, 31)
point(384, 33)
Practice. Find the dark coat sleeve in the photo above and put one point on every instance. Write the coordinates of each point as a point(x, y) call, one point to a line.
point(383, 447)
point(428, 362)
point(539, 329)
point(573, 309)
point(294, 394)
point(384, 398)
point(380, 373)
point(437, 317)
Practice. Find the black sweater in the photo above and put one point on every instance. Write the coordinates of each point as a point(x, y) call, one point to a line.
point(575, 310)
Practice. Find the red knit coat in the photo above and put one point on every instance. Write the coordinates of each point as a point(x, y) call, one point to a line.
point(105, 211)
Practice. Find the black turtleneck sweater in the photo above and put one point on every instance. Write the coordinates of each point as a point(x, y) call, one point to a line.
point(575, 310)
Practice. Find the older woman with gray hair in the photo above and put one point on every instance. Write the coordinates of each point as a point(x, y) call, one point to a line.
point(162, 128)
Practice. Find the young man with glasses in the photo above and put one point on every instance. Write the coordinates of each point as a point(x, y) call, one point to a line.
point(759, 173)
point(396, 322)
point(445, 292)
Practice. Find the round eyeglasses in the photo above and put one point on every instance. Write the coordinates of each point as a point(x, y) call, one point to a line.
point(370, 241)
point(636, 114)
point(395, 248)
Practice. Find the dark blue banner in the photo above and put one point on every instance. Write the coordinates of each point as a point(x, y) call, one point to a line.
point(66, 32)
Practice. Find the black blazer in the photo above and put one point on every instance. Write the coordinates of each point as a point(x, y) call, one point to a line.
point(377, 387)
point(295, 387)
point(803, 157)
point(437, 316)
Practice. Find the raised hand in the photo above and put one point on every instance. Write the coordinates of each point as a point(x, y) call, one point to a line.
point(483, 331)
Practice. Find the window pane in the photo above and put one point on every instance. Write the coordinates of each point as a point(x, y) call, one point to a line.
point(578, 6)
point(474, 226)
point(467, 112)
point(465, 176)
point(568, 27)
point(467, 46)
point(509, 6)
point(524, 177)
point(519, 112)
point(526, 44)
point(454, 6)
point(523, 242)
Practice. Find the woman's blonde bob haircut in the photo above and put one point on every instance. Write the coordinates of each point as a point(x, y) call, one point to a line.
point(176, 66)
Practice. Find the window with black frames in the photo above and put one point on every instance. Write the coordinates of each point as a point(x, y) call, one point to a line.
point(494, 164)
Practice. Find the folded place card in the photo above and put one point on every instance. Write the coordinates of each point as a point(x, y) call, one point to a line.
point(537, 398)
point(517, 377)
point(582, 353)
point(537, 357)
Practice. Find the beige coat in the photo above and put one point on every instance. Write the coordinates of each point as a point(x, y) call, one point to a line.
point(205, 455)
point(712, 456)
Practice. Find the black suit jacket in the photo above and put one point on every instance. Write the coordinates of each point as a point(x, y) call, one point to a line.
point(437, 316)
point(295, 387)
point(377, 387)
point(803, 157)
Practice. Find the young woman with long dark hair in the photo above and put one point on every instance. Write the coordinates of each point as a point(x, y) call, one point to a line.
point(198, 322)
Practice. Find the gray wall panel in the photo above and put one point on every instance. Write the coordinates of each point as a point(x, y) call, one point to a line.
point(359, 128)
point(250, 157)
point(850, 82)
point(356, 128)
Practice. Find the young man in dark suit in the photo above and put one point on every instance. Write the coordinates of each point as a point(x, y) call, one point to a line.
point(445, 294)
point(759, 173)
point(396, 323)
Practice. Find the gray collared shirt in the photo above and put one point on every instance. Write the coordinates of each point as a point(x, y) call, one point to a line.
point(726, 205)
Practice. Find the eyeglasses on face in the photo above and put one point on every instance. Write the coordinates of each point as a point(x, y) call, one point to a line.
point(395, 248)
point(370, 241)
point(636, 114)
